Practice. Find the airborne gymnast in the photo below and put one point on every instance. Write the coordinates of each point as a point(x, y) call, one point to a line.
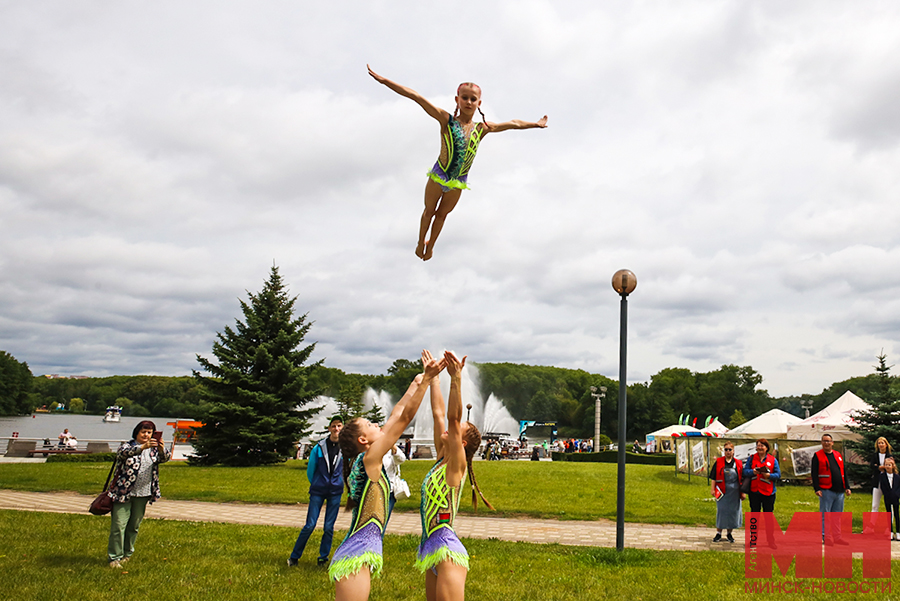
point(460, 136)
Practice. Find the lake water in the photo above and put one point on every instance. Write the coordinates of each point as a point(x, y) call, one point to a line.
point(83, 427)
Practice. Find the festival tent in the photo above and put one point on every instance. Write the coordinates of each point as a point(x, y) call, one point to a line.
point(771, 424)
point(661, 440)
point(678, 430)
point(835, 419)
point(716, 428)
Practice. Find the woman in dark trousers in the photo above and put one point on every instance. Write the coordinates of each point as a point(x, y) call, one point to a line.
point(764, 470)
point(882, 452)
point(890, 489)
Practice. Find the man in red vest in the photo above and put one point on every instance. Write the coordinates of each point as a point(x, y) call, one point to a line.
point(830, 484)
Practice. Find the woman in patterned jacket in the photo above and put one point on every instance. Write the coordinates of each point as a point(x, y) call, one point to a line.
point(135, 484)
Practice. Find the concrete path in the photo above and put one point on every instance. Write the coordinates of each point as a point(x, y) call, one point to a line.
point(600, 533)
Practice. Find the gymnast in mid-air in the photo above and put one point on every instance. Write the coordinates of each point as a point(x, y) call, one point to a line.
point(460, 136)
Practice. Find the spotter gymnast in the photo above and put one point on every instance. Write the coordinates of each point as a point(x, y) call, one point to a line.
point(363, 445)
point(441, 555)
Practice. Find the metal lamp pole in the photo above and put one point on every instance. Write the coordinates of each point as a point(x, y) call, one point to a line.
point(623, 282)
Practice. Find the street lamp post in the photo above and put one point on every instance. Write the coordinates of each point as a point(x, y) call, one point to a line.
point(623, 282)
point(469, 412)
point(598, 394)
point(807, 405)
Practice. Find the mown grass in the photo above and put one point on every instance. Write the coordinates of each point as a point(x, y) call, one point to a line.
point(562, 490)
point(54, 556)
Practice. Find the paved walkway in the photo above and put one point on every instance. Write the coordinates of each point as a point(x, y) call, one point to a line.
point(600, 533)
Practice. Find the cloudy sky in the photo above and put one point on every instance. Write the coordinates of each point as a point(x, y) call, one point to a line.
point(740, 157)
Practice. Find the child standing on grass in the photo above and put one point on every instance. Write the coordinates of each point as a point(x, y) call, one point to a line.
point(364, 445)
point(442, 556)
point(460, 136)
point(890, 488)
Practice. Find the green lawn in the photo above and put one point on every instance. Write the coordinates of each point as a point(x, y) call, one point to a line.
point(55, 556)
point(563, 490)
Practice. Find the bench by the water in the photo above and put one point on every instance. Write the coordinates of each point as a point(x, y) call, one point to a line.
point(46, 452)
point(28, 448)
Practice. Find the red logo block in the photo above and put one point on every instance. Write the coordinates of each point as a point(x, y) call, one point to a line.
point(823, 547)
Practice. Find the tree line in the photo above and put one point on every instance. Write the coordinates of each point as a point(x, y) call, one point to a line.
point(261, 375)
point(732, 393)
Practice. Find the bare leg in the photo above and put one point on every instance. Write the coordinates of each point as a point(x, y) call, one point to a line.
point(430, 586)
point(451, 582)
point(354, 588)
point(447, 204)
point(433, 195)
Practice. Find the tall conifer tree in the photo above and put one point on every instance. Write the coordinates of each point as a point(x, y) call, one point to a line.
point(258, 389)
point(882, 420)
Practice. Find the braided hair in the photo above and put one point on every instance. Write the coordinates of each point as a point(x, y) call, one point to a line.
point(347, 440)
point(472, 438)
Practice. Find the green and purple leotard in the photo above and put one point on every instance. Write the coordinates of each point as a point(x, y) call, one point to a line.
point(438, 511)
point(362, 547)
point(451, 170)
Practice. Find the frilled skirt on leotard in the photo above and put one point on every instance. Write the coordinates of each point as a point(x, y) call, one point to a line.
point(443, 544)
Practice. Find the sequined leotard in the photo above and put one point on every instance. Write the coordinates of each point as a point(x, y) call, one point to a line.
point(457, 154)
point(438, 511)
point(362, 547)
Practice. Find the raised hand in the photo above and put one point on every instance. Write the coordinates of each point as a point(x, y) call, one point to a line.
point(427, 358)
point(454, 365)
point(432, 367)
point(542, 122)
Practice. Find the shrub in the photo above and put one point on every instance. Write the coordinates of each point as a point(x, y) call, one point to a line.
point(613, 457)
point(82, 458)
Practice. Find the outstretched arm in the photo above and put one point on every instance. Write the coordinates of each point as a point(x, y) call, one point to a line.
point(441, 115)
point(437, 410)
point(402, 414)
point(516, 124)
point(455, 452)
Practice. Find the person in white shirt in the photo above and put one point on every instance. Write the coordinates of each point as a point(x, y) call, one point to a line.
point(399, 487)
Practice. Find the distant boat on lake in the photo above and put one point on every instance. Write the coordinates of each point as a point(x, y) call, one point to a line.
point(113, 414)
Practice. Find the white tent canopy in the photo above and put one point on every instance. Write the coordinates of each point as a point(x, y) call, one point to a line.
point(717, 428)
point(669, 430)
point(771, 424)
point(835, 419)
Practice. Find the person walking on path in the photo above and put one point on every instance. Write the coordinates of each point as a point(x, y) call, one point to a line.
point(325, 473)
point(726, 489)
point(830, 484)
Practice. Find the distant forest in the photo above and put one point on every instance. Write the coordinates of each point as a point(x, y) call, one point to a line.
point(732, 393)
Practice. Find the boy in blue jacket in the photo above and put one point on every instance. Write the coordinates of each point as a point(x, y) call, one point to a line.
point(325, 473)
